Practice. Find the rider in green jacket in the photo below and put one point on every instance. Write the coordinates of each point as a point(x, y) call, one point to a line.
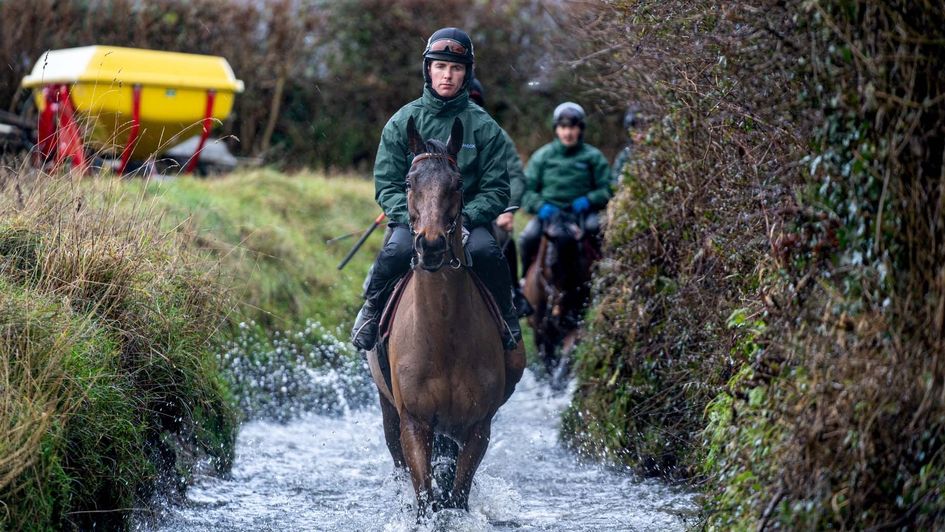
point(447, 69)
point(565, 174)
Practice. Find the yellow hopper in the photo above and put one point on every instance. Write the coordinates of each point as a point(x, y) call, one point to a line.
point(142, 100)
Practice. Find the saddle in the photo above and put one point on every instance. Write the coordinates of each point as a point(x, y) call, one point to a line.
point(378, 359)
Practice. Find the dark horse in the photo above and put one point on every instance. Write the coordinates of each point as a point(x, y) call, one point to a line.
point(449, 372)
point(557, 285)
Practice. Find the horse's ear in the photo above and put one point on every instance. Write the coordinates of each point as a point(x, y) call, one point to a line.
point(455, 141)
point(414, 140)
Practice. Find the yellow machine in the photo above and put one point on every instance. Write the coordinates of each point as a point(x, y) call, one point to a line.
point(139, 101)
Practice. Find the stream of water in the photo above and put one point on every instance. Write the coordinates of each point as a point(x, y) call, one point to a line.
point(333, 472)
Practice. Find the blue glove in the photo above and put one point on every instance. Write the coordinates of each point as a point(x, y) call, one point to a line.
point(580, 205)
point(547, 211)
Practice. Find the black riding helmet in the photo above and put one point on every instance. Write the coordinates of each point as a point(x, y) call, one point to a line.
point(449, 44)
point(477, 93)
point(569, 114)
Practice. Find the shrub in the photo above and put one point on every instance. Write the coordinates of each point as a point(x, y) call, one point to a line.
point(790, 182)
point(106, 358)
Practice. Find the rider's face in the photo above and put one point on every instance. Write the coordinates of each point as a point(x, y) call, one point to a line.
point(446, 78)
point(568, 135)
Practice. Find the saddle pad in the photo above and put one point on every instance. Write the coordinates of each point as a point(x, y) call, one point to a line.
point(390, 310)
point(490, 303)
point(387, 317)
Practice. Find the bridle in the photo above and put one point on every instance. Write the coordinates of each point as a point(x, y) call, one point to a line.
point(454, 262)
point(428, 155)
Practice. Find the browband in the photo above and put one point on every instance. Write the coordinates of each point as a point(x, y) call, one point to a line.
point(428, 155)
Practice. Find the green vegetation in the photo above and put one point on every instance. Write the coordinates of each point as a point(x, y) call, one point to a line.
point(122, 337)
point(267, 231)
point(770, 317)
point(110, 388)
point(321, 78)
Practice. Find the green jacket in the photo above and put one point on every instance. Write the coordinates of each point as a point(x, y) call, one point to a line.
point(560, 175)
point(482, 159)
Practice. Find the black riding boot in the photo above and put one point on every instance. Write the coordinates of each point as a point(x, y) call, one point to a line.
point(364, 332)
point(392, 262)
point(522, 307)
point(528, 243)
point(513, 335)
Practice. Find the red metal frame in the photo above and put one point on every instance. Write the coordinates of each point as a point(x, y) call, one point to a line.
point(46, 137)
point(207, 124)
point(135, 128)
point(59, 135)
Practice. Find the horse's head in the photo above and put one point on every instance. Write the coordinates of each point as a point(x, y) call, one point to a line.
point(434, 195)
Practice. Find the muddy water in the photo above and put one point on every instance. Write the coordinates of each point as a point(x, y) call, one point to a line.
point(333, 472)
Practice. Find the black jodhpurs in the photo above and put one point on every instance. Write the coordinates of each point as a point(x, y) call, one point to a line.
point(507, 244)
point(394, 260)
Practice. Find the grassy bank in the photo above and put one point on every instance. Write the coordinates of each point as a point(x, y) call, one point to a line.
point(268, 232)
point(110, 389)
point(769, 319)
point(139, 317)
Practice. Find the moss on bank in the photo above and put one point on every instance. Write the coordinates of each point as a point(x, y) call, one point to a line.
point(109, 377)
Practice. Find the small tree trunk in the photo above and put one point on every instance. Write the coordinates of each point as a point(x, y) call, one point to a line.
point(273, 111)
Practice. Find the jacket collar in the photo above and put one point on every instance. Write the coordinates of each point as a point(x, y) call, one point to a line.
point(440, 107)
point(561, 149)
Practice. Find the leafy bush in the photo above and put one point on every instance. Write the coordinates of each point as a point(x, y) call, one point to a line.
point(791, 181)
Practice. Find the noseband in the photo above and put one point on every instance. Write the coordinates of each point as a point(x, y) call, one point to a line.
point(454, 263)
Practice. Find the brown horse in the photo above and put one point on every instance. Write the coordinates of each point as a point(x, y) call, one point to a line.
point(557, 285)
point(449, 372)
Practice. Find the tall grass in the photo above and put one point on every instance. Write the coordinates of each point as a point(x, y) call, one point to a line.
point(110, 384)
point(268, 231)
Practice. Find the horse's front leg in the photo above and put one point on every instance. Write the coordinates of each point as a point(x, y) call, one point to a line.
point(468, 462)
point(416, 439)
point(392, 431)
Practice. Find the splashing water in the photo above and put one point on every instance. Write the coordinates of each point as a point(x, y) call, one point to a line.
point(332, 471)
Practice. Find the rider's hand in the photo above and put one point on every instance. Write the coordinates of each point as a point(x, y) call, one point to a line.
point(547, 211)
point(580, 205)
point(506, 221)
